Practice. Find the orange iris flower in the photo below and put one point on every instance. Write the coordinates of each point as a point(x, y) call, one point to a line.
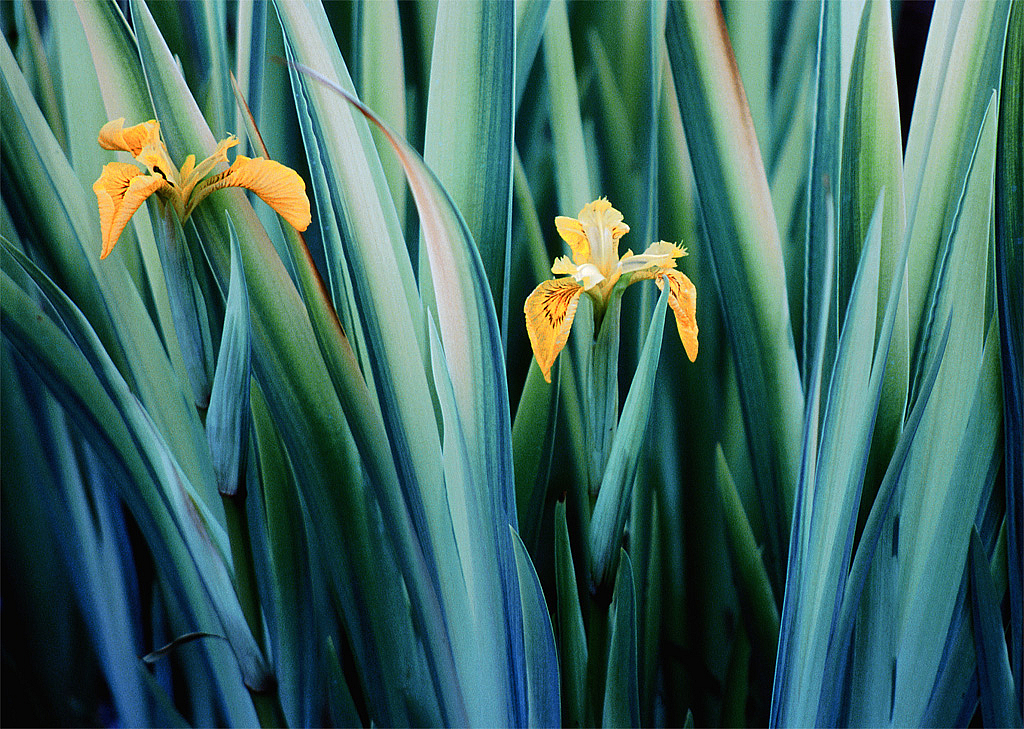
point(122, 187)
point(595, 268)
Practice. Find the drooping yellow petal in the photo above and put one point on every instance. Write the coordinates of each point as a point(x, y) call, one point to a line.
point(279, 186)
point(549, 311)
point(682, 297)
point(120, 190)
point(572, 233)
point(114, 136)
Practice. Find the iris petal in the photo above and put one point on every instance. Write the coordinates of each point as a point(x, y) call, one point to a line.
point(120, 190)
point(549, 311)
point(278, 186)
point(660, 254)
point(572, 233)
point(682, 297)
point(195, 175)
point(114, 136)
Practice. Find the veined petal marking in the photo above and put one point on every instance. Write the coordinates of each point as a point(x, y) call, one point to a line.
point(550, 310)
point(278, 186)
point(120, 190)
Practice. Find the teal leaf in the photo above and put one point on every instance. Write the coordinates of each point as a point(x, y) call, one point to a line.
point(745, 254)
point(1009, 270)
point(621, 692)
point(227, 421)
point(999, 702)
point(542, 679)
point(614, 497)
point(572, 641)
point(470, 116)
point(188, 306)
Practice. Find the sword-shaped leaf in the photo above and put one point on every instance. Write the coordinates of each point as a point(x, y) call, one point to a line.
point(227, 421)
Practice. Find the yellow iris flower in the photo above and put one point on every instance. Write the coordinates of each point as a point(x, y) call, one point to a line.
point(122, 187)
point(596, 268)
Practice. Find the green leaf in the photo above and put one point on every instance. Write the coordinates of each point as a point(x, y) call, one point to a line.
point(1009, 269)
point(621, 693)
point(744, 250)
point(382, 82)
point(822, 192)
point(66, 232)
point(960, 67)
point(750, 33)
point(530, 22)
point(572, 642)
point(999, 702)
point(472, 354)
point(287, 581)
point(227, 421)
point(572, 177)
point(298, 388)
point(533, 446)
point(880, 521)
point(755, 590)
point(872, 161)
point(477, 639)
point(187, 303)
point(613, 499)
point(159, 494)
point(935, 517)
point(542, 680)
point(470, 116)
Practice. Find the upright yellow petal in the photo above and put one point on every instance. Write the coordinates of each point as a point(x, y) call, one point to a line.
point(156, 157)
point(572, 233)
point(603, 226)
point(601, 215)
point(197, 172)
point(120, 190)
point(549, 311)
point(186, 169)
point(279, 186)
point(682, 297)
point(114, 136)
